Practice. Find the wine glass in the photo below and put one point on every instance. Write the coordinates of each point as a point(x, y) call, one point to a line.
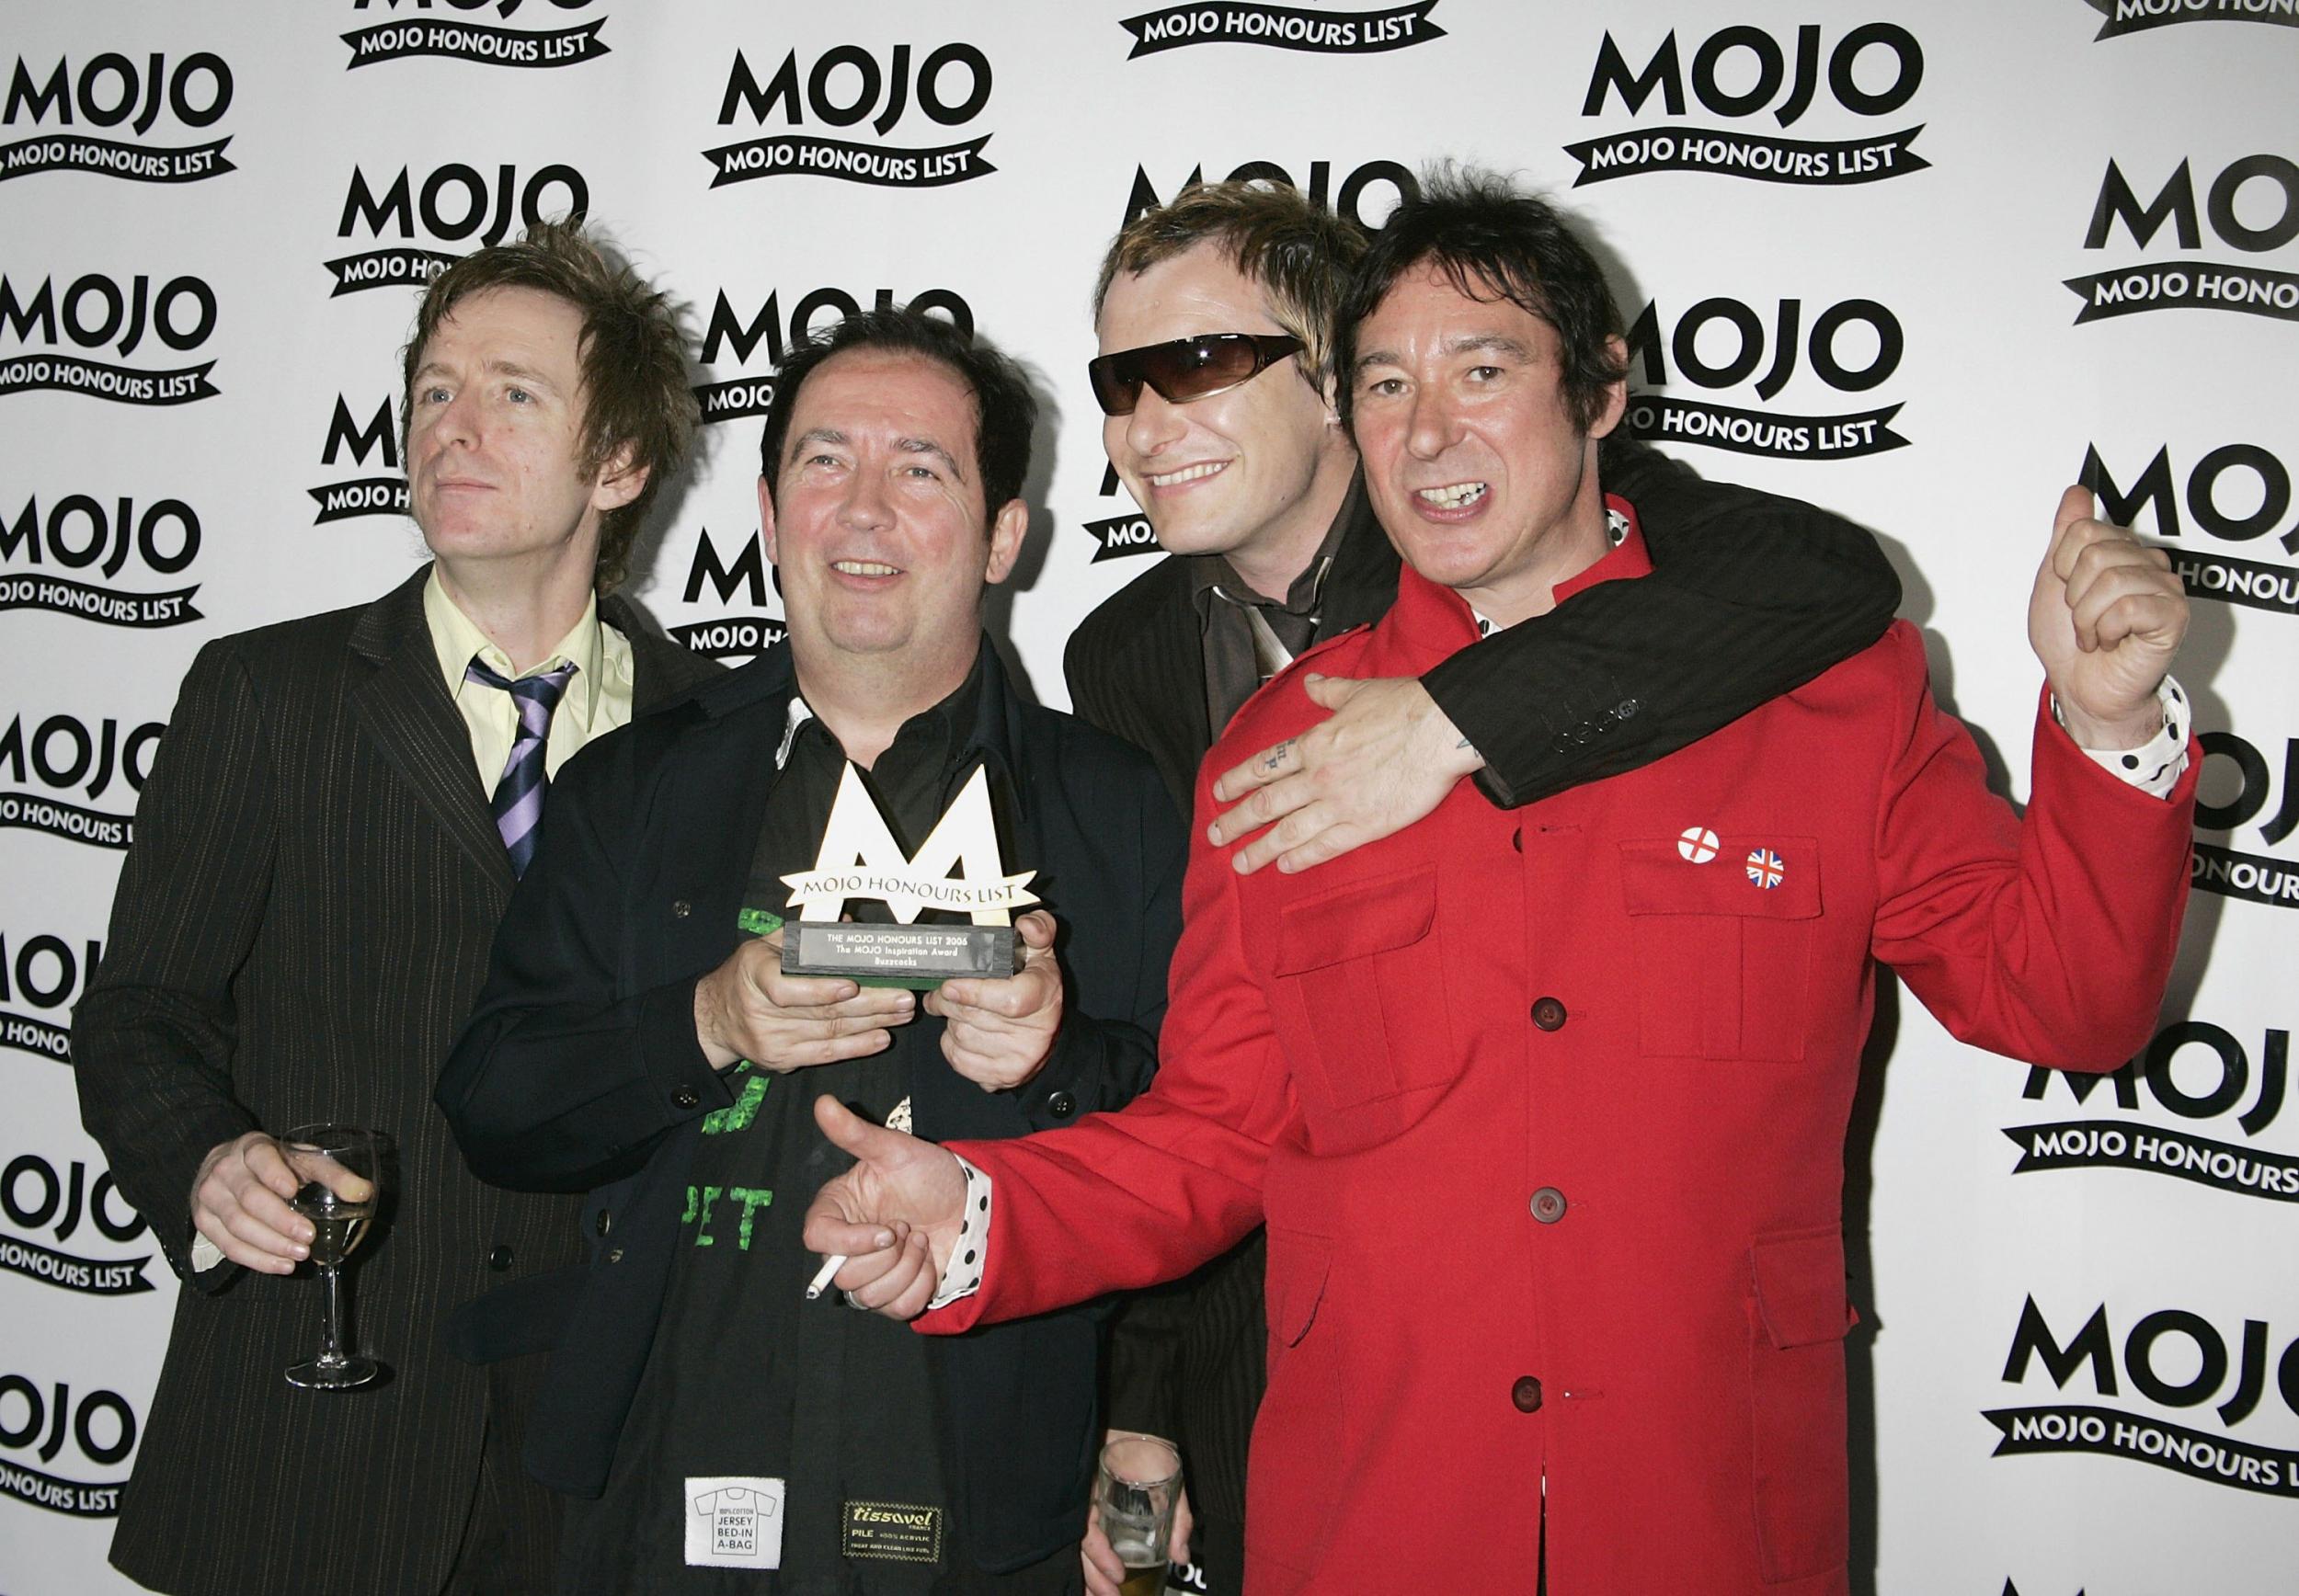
point(337, 1171)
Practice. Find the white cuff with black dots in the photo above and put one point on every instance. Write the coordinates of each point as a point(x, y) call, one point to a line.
point(2155, 767)
point(962, 1276)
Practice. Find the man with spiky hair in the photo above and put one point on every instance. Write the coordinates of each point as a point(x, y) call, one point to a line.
point(332, 827)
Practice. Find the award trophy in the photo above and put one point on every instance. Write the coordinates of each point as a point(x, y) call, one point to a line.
point(957, 869)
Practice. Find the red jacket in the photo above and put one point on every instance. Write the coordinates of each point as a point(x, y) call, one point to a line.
point(1546, 1111)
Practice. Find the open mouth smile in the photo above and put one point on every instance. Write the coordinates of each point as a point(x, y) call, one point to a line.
point(1456, 495)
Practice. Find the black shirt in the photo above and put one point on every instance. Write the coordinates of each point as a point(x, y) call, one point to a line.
point(750, 1389)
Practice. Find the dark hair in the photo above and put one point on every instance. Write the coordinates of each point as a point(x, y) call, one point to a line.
point(633, 354)
point(1004, 412)
point(1492, 242)
point(1298, 254)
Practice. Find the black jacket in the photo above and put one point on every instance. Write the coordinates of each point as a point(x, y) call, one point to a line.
point(301, 925)
point(1750, 595)
point(581, 1071)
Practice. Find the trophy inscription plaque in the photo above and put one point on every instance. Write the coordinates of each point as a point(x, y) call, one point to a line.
point(956, 869)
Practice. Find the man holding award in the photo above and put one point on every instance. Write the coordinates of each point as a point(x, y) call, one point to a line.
point(720, 1415)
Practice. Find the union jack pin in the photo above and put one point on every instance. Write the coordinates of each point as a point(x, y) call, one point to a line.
point(1765, 868)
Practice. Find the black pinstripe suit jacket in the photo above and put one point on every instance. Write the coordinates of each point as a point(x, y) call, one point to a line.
point(298, 934)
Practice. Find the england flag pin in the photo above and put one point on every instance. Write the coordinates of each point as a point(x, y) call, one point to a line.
point(1697, 843)
point(1765, 868)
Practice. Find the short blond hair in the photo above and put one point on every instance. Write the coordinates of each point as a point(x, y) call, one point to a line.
point(1301, 254)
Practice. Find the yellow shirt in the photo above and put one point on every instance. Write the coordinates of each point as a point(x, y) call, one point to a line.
point(597, 697)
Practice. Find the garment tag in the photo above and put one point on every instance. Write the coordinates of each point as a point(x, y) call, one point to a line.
point(734, 1521)
point(894, 1530)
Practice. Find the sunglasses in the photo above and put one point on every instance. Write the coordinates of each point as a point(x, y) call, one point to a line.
point(1186, 369)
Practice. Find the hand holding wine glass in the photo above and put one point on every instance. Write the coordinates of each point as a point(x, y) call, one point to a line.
point(339, 1170)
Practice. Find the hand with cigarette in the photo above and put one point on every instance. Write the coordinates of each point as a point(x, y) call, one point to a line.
point(894, 1216)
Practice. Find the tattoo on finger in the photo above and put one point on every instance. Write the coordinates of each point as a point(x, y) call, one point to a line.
point(1275, 758)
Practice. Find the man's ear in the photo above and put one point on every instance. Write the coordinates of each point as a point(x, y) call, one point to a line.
point(619, 482)
point(1006, 534)
point(1615, 399)
point(766, 521)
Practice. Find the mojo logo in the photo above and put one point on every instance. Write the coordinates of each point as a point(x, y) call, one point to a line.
point(365, 495)
point(100, 1424)
point(1359, 196)
point(95, 311)
point(2121, 17)
point(2253, 877)
point(845, 85)
point(730, 399)
point(38, 1196)
point(427, 33)
point(1853, 346)
point(1117, 537)
point(454, 203)
point(1873, 70)
point(2093, 1144)
point(2252, 206)
point(65, 754)
point(2160, 1350)
point(1282, 27)
point(110, 89)
point(2237, 493)
point(46, 976)
point(77, 532)
point(730, 636)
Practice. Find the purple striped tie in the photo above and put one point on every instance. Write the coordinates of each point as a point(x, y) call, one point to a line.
point(518, 804)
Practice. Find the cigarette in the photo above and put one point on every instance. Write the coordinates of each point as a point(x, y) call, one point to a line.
point(830, 1266)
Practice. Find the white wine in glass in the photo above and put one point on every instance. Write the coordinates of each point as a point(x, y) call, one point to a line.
point(339, 1171)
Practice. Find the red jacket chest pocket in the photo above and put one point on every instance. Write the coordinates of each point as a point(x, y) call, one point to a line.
point(1359, 1001)
point(1724, 933)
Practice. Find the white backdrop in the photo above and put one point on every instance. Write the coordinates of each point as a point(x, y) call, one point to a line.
point(1863, 243)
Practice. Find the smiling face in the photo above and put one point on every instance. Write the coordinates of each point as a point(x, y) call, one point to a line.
point(877, 523)
point(1471, 456)
point(494, 421)
point(1256, 472)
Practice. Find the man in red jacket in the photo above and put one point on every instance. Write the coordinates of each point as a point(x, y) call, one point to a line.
point(1545, 1110)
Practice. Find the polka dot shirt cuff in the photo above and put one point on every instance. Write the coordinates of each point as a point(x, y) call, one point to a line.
point(2156, 768)
point(962, 1277)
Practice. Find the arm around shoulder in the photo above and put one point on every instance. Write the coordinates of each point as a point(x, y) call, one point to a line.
point(1750, 595)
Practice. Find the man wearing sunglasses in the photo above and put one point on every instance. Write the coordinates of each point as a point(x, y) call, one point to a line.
point(1212, 315)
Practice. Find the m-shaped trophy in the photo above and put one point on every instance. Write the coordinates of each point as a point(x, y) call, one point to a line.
point(957, 869)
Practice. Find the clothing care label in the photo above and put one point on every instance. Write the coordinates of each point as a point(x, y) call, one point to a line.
point(892, 1529)
point(734, 1521)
